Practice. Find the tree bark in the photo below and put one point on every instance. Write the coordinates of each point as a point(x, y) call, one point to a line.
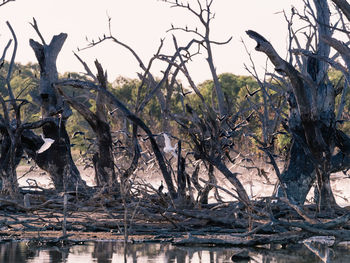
point(298, 175)
point(103, 158)
point(314, 111)
point(344, 6)
point(181, 178)
point(8, 178)
point(136, 120)
point(57, 160)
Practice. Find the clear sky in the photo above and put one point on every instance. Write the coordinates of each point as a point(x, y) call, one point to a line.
point(141, 24)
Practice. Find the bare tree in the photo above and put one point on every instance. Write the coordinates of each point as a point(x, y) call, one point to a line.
point(57, 160)
point(211, 134)
point(153, 90)
point(312, 119)
point(112, 100)
point(16, 135)
point(205, 15)
point(103, 159)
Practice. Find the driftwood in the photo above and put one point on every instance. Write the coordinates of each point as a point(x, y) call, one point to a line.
point(152, 213)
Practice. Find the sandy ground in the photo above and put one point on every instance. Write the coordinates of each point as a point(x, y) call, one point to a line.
point(255, 185)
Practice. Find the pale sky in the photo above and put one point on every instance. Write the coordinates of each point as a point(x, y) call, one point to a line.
point(141, 24)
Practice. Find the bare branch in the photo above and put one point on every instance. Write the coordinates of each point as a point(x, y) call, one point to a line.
point(132, 117)
point(344, 6)
point(146, 70)
point(2, 59)
point(195, 31)
point(303, 94)
point(6, 2)
point(12, 62)
point(199, 14)
point(339, 46)
point(205, 16)
point(147, 73)
point(86, 67)
point(37, 124)
point(166, 73)
point(9, 74)
point(183, 68)
point(36, 28)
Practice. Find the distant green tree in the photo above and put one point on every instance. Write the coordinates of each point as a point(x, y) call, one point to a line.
point(338, 81)
point(24, 84)
point(126, 90)
point(233, 86)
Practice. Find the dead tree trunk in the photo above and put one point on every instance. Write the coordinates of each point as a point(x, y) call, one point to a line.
point(103, 158)
point(112, 100)
point(181, 178)
point(298, 175)
point(8, 178)
point(11, 151)
point(57, 160)
point(314, 115)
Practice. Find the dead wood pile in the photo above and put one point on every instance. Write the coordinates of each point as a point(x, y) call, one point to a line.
point(153, 214)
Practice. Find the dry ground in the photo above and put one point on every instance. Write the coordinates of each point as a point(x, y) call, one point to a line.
point(101, 219)
point(256, 184)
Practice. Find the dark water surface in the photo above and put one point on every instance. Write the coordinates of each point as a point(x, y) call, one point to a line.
point(110, 252)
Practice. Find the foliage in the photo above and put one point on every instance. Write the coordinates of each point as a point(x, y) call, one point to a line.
point(25, 86)
point(234, 88)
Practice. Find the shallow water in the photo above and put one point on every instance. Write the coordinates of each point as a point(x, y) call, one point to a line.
point(112, 252)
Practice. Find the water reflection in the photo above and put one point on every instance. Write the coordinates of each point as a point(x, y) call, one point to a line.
point(112, 252)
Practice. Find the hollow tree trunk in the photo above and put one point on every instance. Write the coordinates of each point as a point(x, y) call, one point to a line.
point(57, 160)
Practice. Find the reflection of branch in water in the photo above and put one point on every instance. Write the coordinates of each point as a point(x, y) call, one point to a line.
point(321, 250)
